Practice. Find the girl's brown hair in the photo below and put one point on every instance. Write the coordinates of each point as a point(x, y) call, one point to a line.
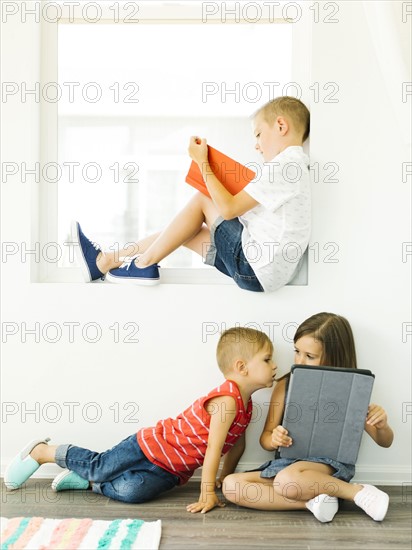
point(335, 334)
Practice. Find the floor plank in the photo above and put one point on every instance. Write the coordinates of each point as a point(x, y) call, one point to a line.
point(228, 528)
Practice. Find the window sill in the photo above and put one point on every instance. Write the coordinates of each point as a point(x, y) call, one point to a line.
point(175, 276)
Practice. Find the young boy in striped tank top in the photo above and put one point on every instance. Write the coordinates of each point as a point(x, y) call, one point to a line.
point(156, 459)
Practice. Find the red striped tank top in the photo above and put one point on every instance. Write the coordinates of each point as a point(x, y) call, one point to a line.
point(179, 445)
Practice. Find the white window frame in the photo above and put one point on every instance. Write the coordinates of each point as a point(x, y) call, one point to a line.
point(154, 13)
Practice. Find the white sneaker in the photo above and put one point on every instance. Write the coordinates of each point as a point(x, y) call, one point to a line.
point(373, 501)
point(323, 507)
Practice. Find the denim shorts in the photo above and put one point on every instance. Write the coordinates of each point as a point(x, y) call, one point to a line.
point(273, 467)
point(121, 473)
point(226, 254)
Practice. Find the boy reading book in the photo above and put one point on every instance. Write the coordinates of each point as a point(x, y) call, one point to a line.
point(256, 236)
point(231, 174)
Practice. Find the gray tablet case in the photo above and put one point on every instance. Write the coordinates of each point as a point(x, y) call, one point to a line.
point(325, 412)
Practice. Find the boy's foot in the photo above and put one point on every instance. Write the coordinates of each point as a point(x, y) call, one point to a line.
point(22, 466)
point(323, 507)
point(131, 274)
point(67, 480)
point(86, 252)
point(373, 501)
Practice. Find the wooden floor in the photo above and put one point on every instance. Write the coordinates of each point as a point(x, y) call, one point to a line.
point(225, 528)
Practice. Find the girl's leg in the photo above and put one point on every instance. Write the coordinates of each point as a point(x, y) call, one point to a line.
point(187, 228)
point(305, 480)
point(252, 491)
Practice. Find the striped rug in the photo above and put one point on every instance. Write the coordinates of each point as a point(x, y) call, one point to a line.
point(79, 534)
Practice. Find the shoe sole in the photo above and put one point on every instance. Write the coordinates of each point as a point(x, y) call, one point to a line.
point(384, 510)
point(130, 281)
point(78, 252)
point(58, 479)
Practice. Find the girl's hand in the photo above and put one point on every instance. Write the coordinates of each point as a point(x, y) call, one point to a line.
point(280, 437)
point(376, 417)
point(198, 150)
point(205, 504)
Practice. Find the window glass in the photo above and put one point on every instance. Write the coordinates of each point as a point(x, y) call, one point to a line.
point(131, 97)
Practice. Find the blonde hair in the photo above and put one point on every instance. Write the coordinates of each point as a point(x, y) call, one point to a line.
point(291, 108)
point(240, 343)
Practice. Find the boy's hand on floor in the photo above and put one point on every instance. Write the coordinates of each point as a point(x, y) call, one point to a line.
point(205, 504)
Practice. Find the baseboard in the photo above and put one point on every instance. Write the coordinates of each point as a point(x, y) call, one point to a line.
point(374, 474)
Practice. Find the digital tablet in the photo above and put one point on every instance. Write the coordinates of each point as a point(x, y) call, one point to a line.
point(325, 412)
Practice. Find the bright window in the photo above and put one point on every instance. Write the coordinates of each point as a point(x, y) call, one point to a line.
point(131, 97)
point(132, 94)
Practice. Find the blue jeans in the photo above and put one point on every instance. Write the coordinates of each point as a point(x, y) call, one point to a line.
point(226, 254)
point(121, 473)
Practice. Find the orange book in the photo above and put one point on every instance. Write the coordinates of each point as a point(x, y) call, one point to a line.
point(233, 175)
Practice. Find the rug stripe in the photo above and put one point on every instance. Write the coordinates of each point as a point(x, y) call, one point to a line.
point(57, 534)
point(37, 533)
point(132, 531)
point(20, 529)
point(79, 535)
point(127, 534)
point(149, 535)
point(11, 526)
point(93, 535)
point(43, 535)
point(68, 534)
point(31, 529)
point(120, 535)
point(109, 534)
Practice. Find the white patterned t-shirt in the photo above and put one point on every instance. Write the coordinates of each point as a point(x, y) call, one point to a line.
point(276, 231)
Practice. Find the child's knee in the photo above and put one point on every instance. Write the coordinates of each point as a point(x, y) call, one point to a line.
point(129, 491)
point(230, 487)
point(286, 483)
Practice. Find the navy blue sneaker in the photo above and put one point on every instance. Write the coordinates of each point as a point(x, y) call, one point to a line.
point(86, 252)
point(129, 273)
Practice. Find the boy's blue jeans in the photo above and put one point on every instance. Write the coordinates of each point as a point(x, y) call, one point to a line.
point(121, 473)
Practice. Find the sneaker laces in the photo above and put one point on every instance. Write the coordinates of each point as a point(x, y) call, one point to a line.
point(368, 497)
point(94, 245)
point(127, 261)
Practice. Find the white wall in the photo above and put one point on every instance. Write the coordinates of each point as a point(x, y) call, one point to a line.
point(366, 214)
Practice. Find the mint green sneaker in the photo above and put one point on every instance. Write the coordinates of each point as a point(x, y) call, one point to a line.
point(68, 480)
point(22, 466)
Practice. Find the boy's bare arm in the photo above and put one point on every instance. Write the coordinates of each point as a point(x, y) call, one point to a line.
point(229, 206)
point(377, 426)
point(222, 412)
point(231, 459)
